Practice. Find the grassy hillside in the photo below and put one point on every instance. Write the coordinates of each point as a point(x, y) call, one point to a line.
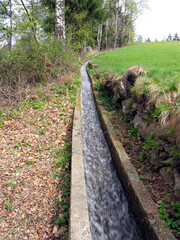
point(160, 59)
point(157, 91)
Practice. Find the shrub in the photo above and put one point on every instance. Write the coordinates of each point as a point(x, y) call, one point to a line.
point(30, 62)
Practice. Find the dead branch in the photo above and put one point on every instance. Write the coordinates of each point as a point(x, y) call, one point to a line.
point(31, 20)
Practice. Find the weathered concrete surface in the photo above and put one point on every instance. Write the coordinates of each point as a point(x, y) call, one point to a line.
point(79, 228)
point(143, 207)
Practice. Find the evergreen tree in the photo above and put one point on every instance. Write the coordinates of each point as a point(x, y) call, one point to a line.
point(176, 37)
point(140, 39)
point(81, 18)
point(169, 38)
point(105, 24)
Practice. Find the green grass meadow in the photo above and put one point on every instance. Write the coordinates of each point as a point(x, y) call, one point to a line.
point(161, 60)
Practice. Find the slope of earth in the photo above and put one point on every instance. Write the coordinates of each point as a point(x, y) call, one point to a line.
point(35, 153)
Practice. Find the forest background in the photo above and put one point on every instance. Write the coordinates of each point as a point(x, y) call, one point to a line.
point(39, 36)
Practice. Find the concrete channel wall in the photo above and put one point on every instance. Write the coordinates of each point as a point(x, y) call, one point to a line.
point(143, 207)
point(79, 228)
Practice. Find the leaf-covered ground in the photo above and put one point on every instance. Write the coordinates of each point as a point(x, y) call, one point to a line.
point(35, 153)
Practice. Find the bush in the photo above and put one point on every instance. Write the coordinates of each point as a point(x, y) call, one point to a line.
point(30, 62)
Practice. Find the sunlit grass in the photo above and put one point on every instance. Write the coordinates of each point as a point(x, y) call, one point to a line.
point(161, 60)
point(159, 88)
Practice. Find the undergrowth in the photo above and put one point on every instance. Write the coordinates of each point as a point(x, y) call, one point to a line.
point(172, 219)
point(61, 171)
point(30, 62)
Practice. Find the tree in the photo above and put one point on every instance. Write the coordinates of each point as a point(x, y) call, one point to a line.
point(19, 18)
point(105, 24)
point(31, 21)
point(148, 40)
point(84, 21)
point(6, 21)
point(169, 38)
point(119, 25)
point(140, 39)
point(81, 19)
point(60, 20)
point(176, 37)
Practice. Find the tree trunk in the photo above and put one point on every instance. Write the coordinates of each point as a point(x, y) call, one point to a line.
point(107, 34)
point(60, 20)
point(11, 26)
point(33, 14)
point(116, 29)
point(99, 37)
point(85, 47)
point(31, 20)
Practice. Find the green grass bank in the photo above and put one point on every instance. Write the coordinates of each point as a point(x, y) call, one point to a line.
point(161, 60)
point(157, 90)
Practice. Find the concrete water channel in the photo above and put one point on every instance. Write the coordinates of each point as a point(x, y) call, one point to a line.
point(100, 209)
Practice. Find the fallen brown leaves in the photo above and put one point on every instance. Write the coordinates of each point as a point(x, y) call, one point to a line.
point(27, 187)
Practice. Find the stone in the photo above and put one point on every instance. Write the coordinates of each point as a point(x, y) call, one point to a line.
point(162, 132)
point(55, 229)
point(168, 162)
point(110, 85)
point(128, 107)
point(152, 129)
point(89, 49)
point(133, 73)
point(135, 106)
point(98, 75)
point(164, 155)
point(167, 174)
point(177, 184)
point(140, 124)
point(109, 76)
point(161, 135)
point(62, 230)
point(154, 159)
point(167, 147)
point(171, 139)
point(121, 90)
point(125, 107)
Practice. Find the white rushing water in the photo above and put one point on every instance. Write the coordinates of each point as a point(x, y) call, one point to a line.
point(109, 211)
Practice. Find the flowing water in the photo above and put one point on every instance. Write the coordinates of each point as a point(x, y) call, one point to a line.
point(109, 211)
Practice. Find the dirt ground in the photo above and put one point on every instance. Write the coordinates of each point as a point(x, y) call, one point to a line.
point(32, 139)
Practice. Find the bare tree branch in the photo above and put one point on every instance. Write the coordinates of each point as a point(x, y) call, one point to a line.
point(31, 20)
